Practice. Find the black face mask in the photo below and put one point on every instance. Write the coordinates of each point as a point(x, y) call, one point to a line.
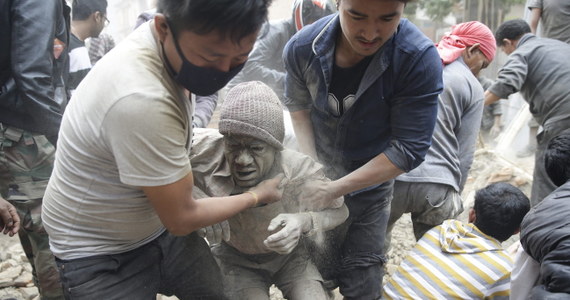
point(199, 80)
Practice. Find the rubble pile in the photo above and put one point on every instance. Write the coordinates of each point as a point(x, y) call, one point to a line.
point(15, 272)
point(490, 166)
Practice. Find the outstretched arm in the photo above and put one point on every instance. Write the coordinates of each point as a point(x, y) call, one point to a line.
point(181, 214)
point(318, 194)
point(490, 97)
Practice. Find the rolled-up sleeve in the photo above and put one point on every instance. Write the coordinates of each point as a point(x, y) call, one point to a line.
point(511, 77)
point(414, 110)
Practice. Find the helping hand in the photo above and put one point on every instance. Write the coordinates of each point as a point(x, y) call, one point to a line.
point(270, 190)
point(317, 195)
point(9, 218)
point(215, 233)
point(495, 131)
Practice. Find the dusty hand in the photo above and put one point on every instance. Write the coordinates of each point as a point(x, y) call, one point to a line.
point(9, 218)
point(270, 190)
point(318, 195)
point(290, 227)
point(495, 131)
point(215, 233)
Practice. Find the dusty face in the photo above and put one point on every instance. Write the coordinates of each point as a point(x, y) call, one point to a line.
point(211, 50)
point(250, 159)
point(367, 24)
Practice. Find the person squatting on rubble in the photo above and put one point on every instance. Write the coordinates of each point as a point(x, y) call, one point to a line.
point(265, 62)
point(432, 191)
point(465, 261)
point(33, 55)
point(263, 245)
point(542, 267)
point(361, 87)
point(540, 69)
point(119, 208)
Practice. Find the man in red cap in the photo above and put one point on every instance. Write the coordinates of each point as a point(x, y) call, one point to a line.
point(432, 191)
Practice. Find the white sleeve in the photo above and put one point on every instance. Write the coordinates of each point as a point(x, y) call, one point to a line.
point(524, 276)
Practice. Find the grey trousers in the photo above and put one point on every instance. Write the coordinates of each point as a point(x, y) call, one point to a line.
point(429, 203)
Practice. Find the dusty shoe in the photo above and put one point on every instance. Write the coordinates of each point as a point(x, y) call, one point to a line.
point(526, 151)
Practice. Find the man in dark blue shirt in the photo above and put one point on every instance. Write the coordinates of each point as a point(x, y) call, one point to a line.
point(362, 89)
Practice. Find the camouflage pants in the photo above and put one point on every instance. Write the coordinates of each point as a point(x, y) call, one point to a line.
point(26, 162)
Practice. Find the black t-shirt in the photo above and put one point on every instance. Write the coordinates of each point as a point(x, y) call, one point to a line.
point(344, 84)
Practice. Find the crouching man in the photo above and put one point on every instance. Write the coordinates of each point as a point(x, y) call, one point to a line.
point(263, 245)
point(465, 261)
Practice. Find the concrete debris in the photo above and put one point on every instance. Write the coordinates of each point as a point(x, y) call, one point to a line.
point(15, 272)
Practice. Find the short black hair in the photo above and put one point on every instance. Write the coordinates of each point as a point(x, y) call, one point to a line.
point(500, 209)
point(82, 9)
point(511, 30)
point(234, 18)
point(557, 158)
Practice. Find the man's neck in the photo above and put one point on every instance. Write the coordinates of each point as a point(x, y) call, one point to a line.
point(79, 30)
point(345, 56)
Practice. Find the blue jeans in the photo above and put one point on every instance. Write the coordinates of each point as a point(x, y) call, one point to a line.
point(169, 265)
point(352, 256)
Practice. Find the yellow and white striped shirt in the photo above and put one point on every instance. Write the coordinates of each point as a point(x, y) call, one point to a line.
point(453, 261)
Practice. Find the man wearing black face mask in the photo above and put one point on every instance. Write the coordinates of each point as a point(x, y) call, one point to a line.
point(119, 207)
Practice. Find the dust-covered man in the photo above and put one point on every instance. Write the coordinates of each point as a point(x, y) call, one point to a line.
point(265, 244)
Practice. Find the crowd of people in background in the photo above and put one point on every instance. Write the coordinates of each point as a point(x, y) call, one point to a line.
point(334, 123)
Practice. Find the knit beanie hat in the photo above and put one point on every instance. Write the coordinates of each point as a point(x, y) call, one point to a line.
point(253, 109)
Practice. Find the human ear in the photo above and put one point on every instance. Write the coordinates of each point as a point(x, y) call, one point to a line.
point(161, 26)
point(97, 16)
point(472, 216)
point(471, 50)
